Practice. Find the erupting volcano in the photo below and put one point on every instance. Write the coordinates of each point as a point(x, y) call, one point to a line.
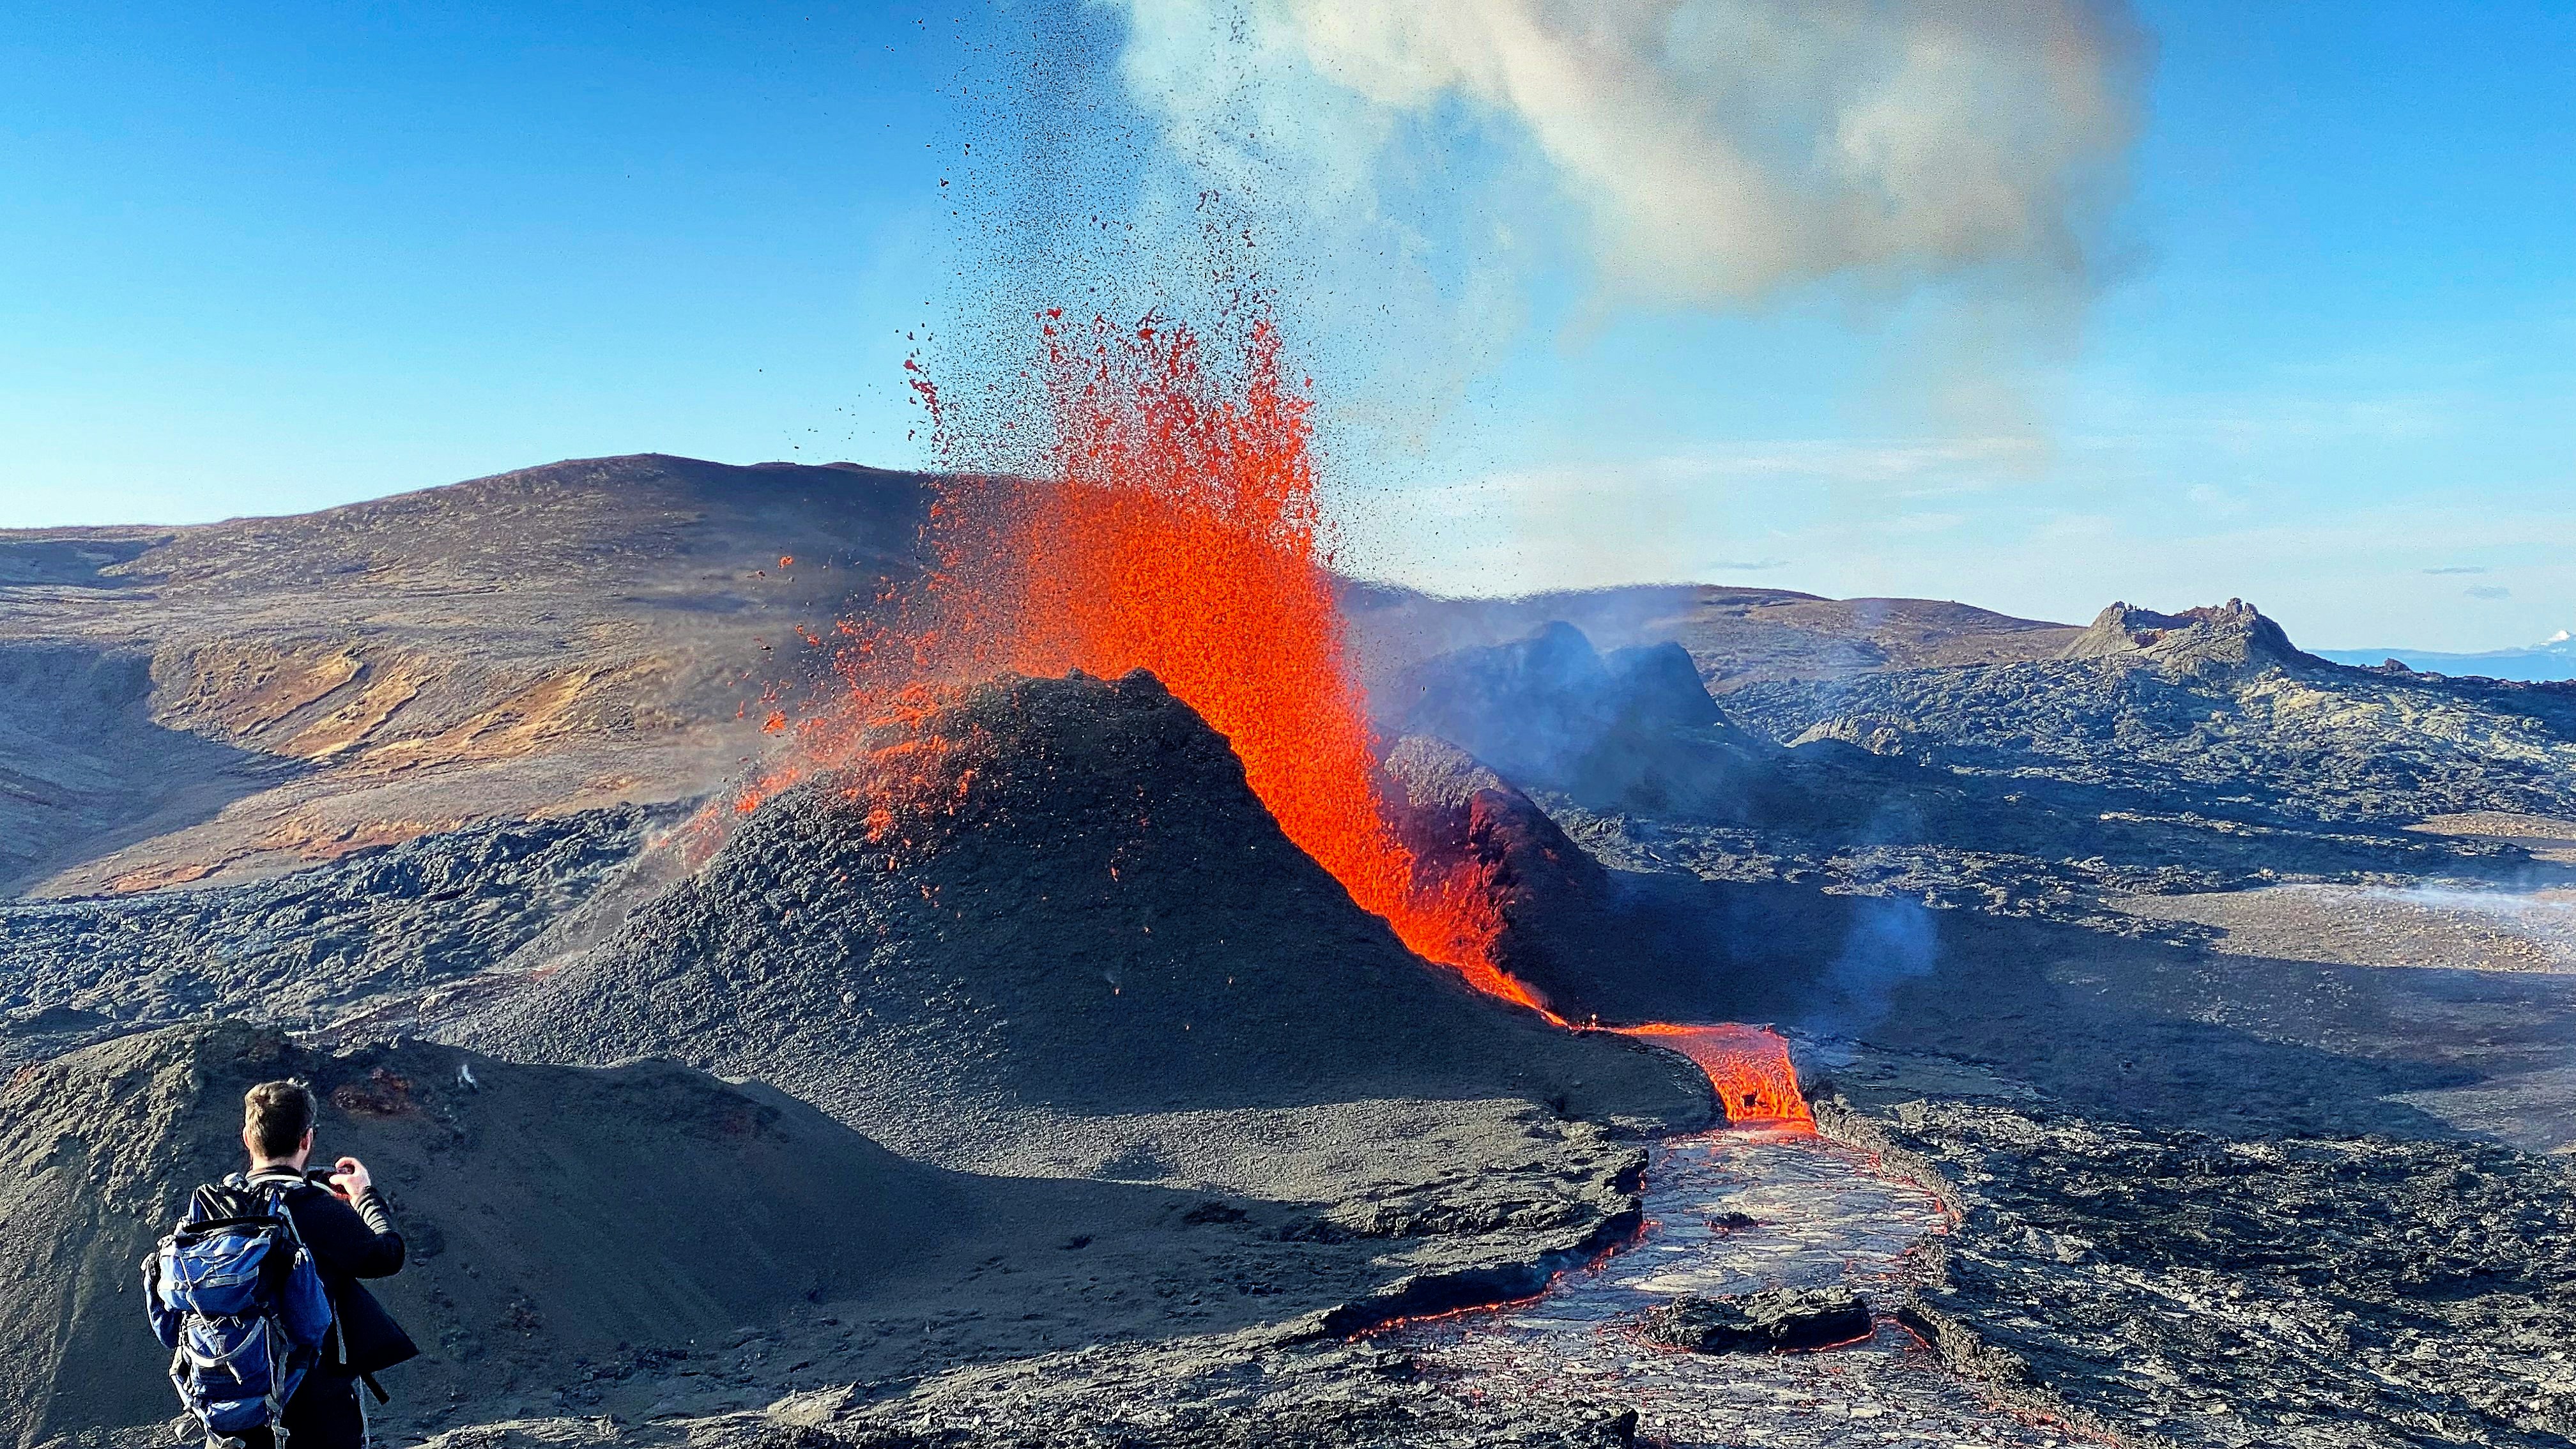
point(1173, 527)
point(1748, 1066)
point(1182, 536)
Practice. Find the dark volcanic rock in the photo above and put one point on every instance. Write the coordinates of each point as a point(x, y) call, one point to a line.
point(298, 949)
point(1244, 1391)
point(1200, 1396)
point(2219, 712)
point(1094, 916)
point(1591, 941)
point(2283, 1291)
point(1779, 1320)
point(2230, 637)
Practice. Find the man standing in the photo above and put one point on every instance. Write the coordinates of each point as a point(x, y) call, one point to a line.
point(347, 1229)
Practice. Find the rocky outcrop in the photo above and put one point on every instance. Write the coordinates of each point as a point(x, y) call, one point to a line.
point(1776, 1320)
point(2211, 704)
point(2230, 638)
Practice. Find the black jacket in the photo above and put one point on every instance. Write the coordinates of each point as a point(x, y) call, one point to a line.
point(348, 1242)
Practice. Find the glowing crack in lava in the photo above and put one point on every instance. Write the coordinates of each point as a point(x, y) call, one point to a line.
point(1174, 527)
point(1748, 1066)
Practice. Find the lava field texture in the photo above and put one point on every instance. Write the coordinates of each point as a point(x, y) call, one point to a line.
point(2164, 1032)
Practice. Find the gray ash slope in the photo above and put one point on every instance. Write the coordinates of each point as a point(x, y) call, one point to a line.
point(304, 948)
point(532, 1249)
point(1103, 920)
point(626, 1244)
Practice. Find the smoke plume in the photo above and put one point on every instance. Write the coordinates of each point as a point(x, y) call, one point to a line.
point(1709, 153)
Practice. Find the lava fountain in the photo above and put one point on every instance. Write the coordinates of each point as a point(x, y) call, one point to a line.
point(1174, 527)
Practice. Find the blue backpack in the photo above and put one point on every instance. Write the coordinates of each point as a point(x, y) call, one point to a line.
point(239, 1303)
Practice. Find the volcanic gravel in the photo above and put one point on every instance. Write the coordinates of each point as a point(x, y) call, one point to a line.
point(302, 948)
point(551, 1213)
point(1246, 1391)
point(1094, 917)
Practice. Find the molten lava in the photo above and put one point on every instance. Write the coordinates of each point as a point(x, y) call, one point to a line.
point(1182, 536)
point(1174, 527)
point(1748, 1066)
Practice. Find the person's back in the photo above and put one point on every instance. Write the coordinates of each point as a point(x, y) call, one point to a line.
point(350, 1234)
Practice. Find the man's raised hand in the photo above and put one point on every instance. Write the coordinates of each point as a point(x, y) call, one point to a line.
point(349, 1178)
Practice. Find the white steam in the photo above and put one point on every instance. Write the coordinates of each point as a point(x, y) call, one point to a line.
point(1711, 153)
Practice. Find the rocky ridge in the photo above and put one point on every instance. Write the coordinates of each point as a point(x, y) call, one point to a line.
point(2213, 706)
point(218, 702)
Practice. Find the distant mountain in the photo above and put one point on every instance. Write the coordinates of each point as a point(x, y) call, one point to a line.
point(214, 703)
point(1735, 636)
point(2553, 659)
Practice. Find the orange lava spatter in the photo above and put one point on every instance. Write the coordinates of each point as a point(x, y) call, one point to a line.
point(1748, 1065)
point(1172, 525)
point(1182, 536)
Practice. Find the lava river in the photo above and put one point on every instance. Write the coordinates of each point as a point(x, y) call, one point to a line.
point(1820, 1214)
point(1765, 1202)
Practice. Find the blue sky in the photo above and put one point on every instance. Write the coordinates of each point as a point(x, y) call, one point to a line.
point(2322, 360)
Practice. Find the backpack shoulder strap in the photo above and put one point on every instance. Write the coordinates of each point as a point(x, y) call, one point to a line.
point(275, 1197)
point(229, 1197)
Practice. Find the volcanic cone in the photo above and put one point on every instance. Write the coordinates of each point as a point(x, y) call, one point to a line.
point(1052, 896)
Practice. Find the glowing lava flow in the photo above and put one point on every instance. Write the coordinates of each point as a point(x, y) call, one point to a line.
point(1748, 1066)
